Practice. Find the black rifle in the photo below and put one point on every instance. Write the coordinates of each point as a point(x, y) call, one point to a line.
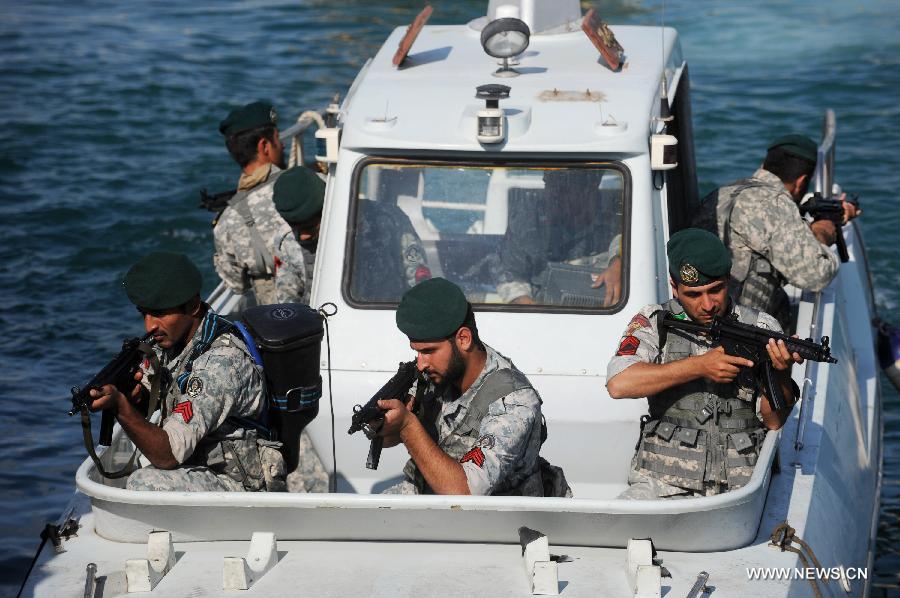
point(744, 340)
point(370, 417)
point(216, 202)
point(119, 372)
point(820, 208)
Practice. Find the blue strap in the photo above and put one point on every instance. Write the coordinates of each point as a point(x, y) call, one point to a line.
point(251, 344)
point(212, 326)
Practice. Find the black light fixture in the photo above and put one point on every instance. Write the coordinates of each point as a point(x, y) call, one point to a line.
point(505, 38)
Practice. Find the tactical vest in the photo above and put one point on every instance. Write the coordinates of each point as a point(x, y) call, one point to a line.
point(235, 448)
point(262, 271)
point(465, 433)
point(700, 432)
point(755, 285)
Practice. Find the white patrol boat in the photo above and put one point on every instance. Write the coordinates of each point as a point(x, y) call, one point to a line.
point(452, 163)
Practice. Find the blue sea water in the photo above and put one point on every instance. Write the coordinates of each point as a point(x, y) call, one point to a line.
point(108, 115)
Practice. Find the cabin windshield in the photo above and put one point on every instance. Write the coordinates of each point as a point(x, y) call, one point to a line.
point(508, 235)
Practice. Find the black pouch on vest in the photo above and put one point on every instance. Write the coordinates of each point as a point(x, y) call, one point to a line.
point(741, 441)
point(665, 430)
point(289, 338)
point(687, 436)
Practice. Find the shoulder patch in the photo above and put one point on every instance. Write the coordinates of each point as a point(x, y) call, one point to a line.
point(486, 442)
point(637, 322)
point(475, 455)
point(628, 346)
point(194, 386)
point(185, 410)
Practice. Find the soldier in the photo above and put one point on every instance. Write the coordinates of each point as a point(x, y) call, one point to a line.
point(770, 243)
point(704, 432)
point(298, 196)
point(478, 429)
point(246, 230)
point(210, 389)
point(568, 224)
point(388, 255)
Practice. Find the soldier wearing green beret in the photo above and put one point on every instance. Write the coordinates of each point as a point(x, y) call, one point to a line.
point(209, 388)
point(704, 431)
point(770, 243)
point(478, 429)
point(299, 195)
point(245, 232)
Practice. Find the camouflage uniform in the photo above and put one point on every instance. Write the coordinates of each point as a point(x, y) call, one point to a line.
point(701, 438)
point(496, 438)
point(242, 258)
point(208, 422)
point(388, 255)
point(294, 265)
point(770, 242)
point(310, 475)
point(575, 233)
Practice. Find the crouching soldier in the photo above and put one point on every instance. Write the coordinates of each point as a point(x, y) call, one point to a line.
point(210, 389)
point(704, 431)
point(479, 428)
point(298, 196)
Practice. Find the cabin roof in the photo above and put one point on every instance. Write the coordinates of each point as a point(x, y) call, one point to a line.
point(559, 103)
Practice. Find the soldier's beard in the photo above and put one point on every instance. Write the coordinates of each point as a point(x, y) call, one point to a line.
point(456, 369)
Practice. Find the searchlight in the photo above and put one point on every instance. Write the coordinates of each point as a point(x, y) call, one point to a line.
point(505, 38)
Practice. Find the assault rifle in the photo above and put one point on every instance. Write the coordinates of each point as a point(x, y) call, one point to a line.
point(744, 340)
point(821, 208)
point(120, 372)
point(370, 417)
point(217, 202)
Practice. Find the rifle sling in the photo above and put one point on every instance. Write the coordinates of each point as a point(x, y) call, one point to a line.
point(151, 407)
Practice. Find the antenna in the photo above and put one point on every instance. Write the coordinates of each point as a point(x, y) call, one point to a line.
point(665, 114)
point(662, 43)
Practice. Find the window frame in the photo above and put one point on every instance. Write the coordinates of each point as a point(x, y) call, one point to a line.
point(350, 246)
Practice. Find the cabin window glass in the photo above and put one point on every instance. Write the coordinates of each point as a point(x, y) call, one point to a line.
point(532, 236)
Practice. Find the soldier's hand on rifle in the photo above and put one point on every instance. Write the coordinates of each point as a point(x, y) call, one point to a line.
point(851, 210)
point(825, 231)
point(718, 366)
point(109, 397)
point(612, 278)
point(782, 359)
point(397, 416)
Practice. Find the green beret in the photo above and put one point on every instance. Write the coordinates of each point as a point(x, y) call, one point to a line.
point(432, 310)
point(298, 194)
point(257, 114)
point(161, 280)
point(800, 146)
point(697, 257)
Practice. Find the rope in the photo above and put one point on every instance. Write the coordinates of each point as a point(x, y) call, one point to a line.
point(296, 155)
point(782, 537)
point(327, 313)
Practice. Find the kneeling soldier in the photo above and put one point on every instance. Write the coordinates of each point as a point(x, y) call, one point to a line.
point(479, 428)
point(211, 390)
point(704, 431)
